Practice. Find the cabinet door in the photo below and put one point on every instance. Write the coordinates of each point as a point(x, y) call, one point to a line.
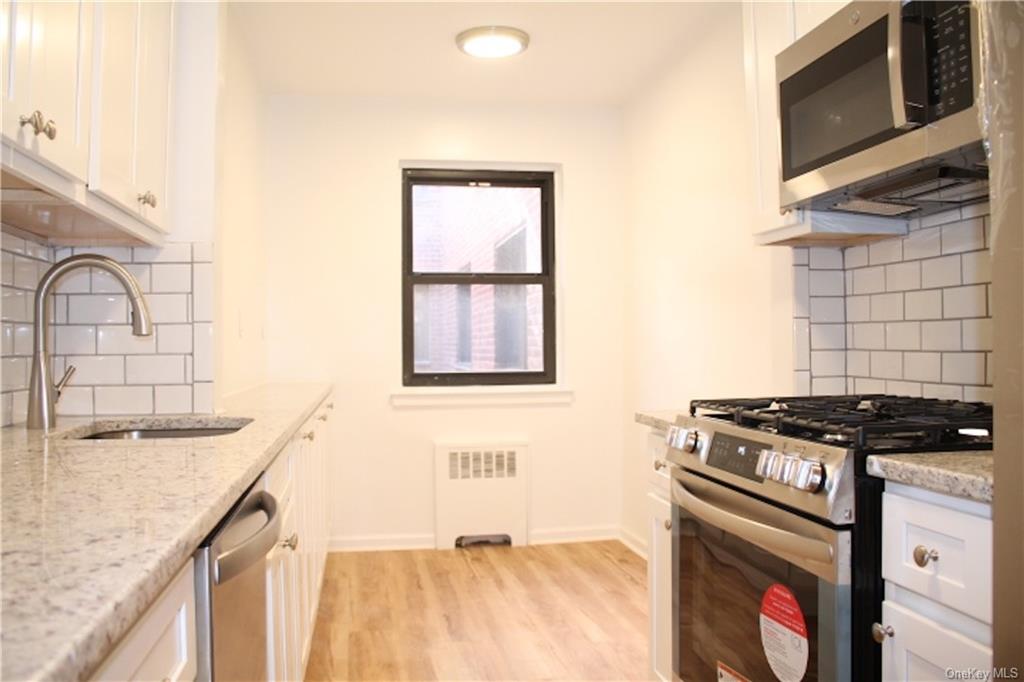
point(112, 163)
point(292, 604)
point(921, 649)
point(768, 28)
point(810, 13)
point(277, 610)
point(659, 585)
point(155, 26)
point(47, 68)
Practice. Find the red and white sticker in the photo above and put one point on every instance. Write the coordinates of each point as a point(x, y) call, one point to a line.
point(784, 634)
point(727, 674)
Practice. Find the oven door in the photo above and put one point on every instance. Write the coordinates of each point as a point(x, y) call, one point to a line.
point(851, 85)
point(759, 593)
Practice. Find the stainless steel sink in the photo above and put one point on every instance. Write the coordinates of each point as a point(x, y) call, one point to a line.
point(140, 434)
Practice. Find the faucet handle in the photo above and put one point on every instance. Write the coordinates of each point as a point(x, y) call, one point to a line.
point(65, 379)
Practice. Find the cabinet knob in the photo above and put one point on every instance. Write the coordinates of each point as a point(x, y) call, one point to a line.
point(322, 417)
point(659, 465)
point(309, 436)
point(292, 542)
point(148, 199)
point(668, 524)
point(880, 632)
point(922, 555)
point(39, 124)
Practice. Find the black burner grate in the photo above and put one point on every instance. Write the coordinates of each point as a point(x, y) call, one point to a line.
point(869, 423)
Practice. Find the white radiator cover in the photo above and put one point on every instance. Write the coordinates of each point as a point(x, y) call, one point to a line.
point(480, 489)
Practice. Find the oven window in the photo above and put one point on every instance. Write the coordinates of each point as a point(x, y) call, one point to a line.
point(720, 583)
point(838, 105)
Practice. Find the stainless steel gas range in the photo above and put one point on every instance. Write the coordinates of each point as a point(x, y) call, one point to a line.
point(777, 529)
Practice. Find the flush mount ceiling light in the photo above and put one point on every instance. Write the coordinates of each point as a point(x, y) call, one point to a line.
point(492, 42)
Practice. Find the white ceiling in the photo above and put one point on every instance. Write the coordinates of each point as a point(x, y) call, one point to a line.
point(579, 52)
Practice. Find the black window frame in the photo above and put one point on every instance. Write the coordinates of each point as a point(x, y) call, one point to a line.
point(543, 180)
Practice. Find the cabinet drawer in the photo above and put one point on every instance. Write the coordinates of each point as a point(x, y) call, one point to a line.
point(921, 649)
point(162, 645)
point(960, 574)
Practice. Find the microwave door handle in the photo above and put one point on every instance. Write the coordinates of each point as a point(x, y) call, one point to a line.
point(894, 55)
point(771, 538)
point(230, 563)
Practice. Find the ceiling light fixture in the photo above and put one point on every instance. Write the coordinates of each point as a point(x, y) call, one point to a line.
point(492, 42)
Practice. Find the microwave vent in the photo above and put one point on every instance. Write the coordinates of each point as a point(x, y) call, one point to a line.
point(882, 208)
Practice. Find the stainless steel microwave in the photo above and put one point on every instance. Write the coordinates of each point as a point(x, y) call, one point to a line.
point(880, 90)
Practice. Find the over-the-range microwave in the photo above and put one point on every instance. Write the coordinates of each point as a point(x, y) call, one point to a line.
point(878, 111)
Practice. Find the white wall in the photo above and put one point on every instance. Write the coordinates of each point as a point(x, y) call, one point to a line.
point(709, 312)
point(241, 260)
point(333, 238)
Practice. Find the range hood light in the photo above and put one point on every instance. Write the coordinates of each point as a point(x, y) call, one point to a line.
point(492, 42)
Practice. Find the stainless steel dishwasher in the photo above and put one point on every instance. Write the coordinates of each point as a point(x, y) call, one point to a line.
point(231, 590)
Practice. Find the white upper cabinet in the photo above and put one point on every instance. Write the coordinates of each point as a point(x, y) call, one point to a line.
point(128, 165)
point(47, 68)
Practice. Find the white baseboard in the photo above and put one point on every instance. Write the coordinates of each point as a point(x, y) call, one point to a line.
point(549, 536)
point(634, 542)
point(369, 543)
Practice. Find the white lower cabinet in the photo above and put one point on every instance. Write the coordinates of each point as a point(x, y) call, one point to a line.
point(295, 568)
point(659, 585)
point(937, 566)
point(162, 645)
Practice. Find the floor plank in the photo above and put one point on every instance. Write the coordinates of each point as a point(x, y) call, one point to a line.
point(543, 612)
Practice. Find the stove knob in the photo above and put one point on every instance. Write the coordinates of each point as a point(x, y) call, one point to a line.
point(692, 441)
point(675, 437)
point(765, 462)
point(786, 470)
point(808, 475)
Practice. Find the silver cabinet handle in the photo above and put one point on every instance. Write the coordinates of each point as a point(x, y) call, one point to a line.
point(322, 417)
point(922, 555)
point(309, 436)
point(659, 465)
point(291, 542)
point(767, 536)
point(880, 632)
point(668, 524)
point(148, 199)
point(235, 560)
point(39, 124)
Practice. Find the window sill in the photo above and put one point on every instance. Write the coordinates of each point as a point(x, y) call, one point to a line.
point(480, 396)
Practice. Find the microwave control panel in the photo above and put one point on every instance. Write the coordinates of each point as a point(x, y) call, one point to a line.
point(950, 68)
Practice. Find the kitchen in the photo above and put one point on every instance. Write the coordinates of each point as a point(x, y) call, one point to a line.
point(251, 167)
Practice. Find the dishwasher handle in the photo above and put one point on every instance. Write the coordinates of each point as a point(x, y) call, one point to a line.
point(240, 557)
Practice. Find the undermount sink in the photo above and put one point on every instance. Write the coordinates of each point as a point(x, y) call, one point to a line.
point(139, 434)
point(146, 428)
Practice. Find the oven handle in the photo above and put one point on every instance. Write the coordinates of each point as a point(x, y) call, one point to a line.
point(771, 538)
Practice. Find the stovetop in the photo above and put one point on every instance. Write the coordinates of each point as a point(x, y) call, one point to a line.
point(869, 423)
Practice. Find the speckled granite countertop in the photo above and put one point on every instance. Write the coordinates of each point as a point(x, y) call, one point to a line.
point(963, 474)
point(94, 530)
point(657, 419)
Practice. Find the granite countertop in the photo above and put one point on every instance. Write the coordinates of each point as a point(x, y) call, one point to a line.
point(658, 419)
point(963, 474)
point(94, 530)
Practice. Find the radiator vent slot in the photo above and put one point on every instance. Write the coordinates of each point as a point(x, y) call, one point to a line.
point(480, 491)
point(481, 464)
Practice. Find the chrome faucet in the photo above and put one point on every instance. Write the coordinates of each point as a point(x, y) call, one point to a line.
point(42, 393)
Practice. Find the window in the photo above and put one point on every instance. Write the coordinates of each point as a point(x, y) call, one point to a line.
point(477, 278)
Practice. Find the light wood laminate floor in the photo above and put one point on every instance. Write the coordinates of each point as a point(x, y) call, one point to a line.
point(544, 612)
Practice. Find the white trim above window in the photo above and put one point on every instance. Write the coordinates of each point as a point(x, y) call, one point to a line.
point(481, 396)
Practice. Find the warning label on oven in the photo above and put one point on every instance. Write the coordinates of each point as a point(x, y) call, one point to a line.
point(784, 634)
point(727, 674)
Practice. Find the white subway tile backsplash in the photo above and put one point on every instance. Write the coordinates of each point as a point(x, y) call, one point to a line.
point(76, 282)
point(7, 339)
point(98, 309)
point(858, 308)
point(173, 399)
point(885, 251)
point(977, 267)
point(886, 307)
point(97, 370)
point(174, 338)
point(855, 257)
point(169, 253)
point(940, 272)
point(202, 397)
point(886, 364)
point(75, 401)
point(869, 280)
point(828, 363)
point(869, 336)
point(15, 305)
point(14, 374)
point(828, 386)
point(828, 309)
point(826, 283)
point(802, 383)
point(963, 368)
point(903, 336)
point(119, 340)
point(123, 400)
point(903, 276)
point(168, 308)
point(75, 340)
point(977, 334)
point(963, 302)
point(858, 363)
point(869, 385)
point(828, 337)
point(907, 388)
point(943, 391)
point(943, 218)
point(23, 339)
point(801, 343)
point(941, 335)
point(171, 277)
point(822, 258)
point(923, 305)
point(105, 283)
point(968, 235)
point(801, 295)
point(923, 244)
point(122, 254)
point(978, 394)
point(202, 295)
point(154, 369)
point(202, 352)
